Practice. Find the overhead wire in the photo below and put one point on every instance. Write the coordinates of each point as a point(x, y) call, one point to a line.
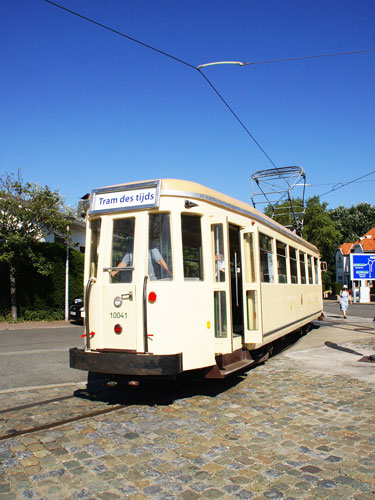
point(344, 184)
point(335, 183)
point(306, 57)
point(175, 59)
point(120, 33)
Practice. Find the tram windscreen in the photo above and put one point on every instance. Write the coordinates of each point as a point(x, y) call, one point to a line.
point(122, 250)
point(159, 247)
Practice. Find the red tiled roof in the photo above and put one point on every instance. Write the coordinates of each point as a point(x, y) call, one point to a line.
point(368, 241)
point(345, 248)
point(367, 245)
point(371, 233)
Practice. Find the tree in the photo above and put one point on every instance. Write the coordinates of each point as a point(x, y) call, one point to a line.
point(28, 212)
point(319, 229)
point(355, 221)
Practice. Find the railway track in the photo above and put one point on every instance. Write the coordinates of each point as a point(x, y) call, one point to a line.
point(20, 420)
point(13, 423)
point(14, 433)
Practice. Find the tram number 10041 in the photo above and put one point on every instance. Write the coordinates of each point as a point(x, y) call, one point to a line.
point(118, 315)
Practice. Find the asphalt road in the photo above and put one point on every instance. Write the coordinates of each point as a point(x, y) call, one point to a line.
point(38, 356)
point(359, 310)
point(33, 356)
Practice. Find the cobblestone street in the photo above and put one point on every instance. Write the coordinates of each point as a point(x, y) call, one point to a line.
point(281, 431)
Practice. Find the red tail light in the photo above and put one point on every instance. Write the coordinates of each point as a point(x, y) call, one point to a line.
point(152, 297)
point(118, 328)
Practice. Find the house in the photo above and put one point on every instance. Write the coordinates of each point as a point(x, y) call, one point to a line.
point(342, 259)
point(77, 233)
point(355, 265)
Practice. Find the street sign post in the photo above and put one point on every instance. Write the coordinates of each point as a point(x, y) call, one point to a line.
point(362, 268)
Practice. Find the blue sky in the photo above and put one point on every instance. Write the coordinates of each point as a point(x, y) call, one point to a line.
point(83, 108)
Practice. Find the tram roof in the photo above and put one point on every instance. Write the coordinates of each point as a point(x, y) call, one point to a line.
point(190, 189)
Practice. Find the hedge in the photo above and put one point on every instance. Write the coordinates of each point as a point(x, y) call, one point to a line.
point(41, 297)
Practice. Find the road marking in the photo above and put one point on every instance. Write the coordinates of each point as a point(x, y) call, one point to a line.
point(36, 351)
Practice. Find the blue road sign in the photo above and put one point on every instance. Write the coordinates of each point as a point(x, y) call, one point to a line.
point(363, 266)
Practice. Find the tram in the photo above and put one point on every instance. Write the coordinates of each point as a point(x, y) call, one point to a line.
point(181, 279)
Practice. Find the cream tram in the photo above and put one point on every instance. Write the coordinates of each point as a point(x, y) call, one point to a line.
point(183, 279)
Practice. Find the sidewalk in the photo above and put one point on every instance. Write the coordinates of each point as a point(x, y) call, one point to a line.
point(28, 325)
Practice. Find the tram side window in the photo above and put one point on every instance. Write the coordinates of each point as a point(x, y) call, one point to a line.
point(302, 267)
point(281, 261)
point(94, 244)
point(266, 258)
point(159, 247)
point(316, 267)
point(221, 329)
point(252, 310)
point(192, 247)
point(310, 269)
point(293, 265)
point(218, 252)
point(249, 257)
point(123, 250)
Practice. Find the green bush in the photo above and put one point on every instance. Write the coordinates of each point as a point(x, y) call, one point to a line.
point(42, 315)
point(40, 296)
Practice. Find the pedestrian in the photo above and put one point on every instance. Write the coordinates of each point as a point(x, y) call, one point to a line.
point(344, 300)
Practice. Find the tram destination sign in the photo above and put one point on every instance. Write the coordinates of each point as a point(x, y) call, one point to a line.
point(122, 199)
point(362, 266)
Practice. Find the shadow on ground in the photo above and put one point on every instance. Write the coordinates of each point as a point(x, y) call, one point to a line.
point(163, 392)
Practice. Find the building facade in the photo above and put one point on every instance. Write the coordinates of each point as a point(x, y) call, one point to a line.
point(347, 273)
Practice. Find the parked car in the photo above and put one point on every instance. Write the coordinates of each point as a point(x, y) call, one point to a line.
point(75, 310)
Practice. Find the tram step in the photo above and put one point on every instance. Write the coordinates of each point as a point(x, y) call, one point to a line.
point(237, 365)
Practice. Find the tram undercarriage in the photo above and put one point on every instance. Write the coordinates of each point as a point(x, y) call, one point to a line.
point(141, 365)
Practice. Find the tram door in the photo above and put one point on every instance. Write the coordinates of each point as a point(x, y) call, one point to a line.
point(251, 286)
point(236, 281)
point(118, 288)
point(222, 301)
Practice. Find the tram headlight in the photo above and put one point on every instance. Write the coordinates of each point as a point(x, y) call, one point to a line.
point(117, 301)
